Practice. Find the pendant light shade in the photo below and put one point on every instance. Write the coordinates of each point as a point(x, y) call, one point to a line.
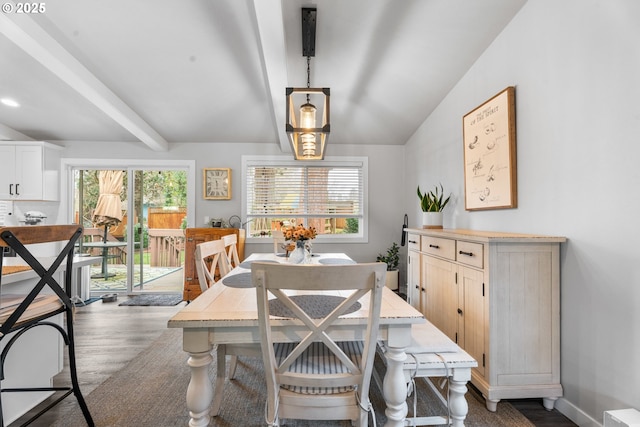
point(308, 140)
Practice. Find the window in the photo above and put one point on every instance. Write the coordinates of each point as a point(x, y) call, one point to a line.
point(328, 195)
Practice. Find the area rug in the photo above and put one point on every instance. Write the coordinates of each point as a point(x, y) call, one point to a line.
point(151, 390)
point(155, 300)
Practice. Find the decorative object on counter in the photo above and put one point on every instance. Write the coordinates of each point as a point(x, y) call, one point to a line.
point(392, 259)
point(216, 183)
point(301, 236)
point(432, 204)
point(489, 138)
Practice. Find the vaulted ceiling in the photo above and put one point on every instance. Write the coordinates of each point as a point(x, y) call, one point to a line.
point(164, 71)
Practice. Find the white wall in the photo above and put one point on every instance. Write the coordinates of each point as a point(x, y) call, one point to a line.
point(576, 68)
point(385, 183)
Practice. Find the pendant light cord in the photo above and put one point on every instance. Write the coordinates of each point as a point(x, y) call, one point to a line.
point(308, 76)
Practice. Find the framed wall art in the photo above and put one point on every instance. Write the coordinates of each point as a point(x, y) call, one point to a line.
point(216, 183)
point(489, 137)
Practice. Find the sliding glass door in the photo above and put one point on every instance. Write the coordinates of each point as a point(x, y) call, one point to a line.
point(134, 223)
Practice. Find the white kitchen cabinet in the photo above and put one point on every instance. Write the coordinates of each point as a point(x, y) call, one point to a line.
point(30, 171)
point(498, 296)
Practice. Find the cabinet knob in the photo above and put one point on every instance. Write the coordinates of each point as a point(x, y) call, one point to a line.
point(422, 289)
point(11, 189)
point(460, 311)
point(465, 253)
point(434, 246)
point(17, 192)
point(412, 241)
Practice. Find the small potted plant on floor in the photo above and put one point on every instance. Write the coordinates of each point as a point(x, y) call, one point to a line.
point(432, 203)
point(392, 259)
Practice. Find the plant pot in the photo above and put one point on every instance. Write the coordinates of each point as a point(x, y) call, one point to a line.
point(431, 219)
point(391, 281)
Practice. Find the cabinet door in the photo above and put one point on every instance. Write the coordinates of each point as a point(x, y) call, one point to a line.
point(440, 295)
point(474, 325)
point(413, 279)
point(28, 160)
point(7, 172)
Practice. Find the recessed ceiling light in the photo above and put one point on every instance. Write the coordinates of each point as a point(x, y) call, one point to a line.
point(9, 102)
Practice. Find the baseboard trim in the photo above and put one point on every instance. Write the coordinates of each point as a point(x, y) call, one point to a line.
point(575, 414)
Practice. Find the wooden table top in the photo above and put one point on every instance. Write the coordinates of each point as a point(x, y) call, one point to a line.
point(223, 306)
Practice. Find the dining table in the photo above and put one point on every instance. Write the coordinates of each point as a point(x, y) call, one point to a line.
point(227, 313)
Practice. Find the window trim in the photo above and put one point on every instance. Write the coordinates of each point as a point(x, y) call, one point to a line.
point(363, 162)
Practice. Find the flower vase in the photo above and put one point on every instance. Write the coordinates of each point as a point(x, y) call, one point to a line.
point(299, 254)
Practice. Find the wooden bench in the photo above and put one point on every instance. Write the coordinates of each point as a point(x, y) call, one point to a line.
point(433, 354)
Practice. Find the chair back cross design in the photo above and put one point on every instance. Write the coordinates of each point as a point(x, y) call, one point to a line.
point(24, 312)
point(321, 374)
point(208, 256)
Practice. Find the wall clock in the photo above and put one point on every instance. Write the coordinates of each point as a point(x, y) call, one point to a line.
point(216, 183)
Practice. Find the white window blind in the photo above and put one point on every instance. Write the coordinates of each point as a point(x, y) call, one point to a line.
point(312, 194)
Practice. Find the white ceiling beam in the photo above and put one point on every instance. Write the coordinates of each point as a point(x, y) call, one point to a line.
point(10, 134)
point(31, 38)
point(270, 23)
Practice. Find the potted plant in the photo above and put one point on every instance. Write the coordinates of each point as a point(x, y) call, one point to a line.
point(432, 203)
point(392, 259)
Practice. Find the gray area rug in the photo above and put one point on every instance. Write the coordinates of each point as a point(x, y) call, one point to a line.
point(156, 300)
point(151, 390)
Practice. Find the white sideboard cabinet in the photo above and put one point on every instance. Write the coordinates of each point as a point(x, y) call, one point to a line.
point(498, 296)
point(29, 171)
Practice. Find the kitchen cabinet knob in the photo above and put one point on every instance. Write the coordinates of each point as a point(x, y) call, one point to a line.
point(412, 241)
point(465, 253)
point(460, 311)
point(422, 289)
point(17, 192)
point(434, 246)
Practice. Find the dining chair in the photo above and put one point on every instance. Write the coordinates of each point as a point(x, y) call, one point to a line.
point(231, 246)
point(208, 255)
point(278, 241)
point(319, 376)
point(37, 308)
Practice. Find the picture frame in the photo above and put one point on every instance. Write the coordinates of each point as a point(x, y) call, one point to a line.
point(216, 183)
point(489, 138)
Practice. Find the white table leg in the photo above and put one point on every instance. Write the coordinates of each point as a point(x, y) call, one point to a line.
point(394, 388)
point(200, 389)
point(457, 402)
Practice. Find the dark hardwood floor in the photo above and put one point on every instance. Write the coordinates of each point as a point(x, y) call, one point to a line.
point(108, 336)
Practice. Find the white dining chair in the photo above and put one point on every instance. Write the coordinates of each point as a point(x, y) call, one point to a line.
point(318, 377)
point(208, 255)
point(278, 241)
point(231, 247)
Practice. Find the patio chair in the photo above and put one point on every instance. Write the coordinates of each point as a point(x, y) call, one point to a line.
point(208, 255)
point(47, 299)
point(319, 377)
point(231, 247)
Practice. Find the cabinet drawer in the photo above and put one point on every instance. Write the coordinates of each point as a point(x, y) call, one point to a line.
point(413, 242)
point(470, 253)
point(445, 248)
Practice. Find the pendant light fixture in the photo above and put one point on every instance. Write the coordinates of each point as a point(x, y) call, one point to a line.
point(308, 140)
